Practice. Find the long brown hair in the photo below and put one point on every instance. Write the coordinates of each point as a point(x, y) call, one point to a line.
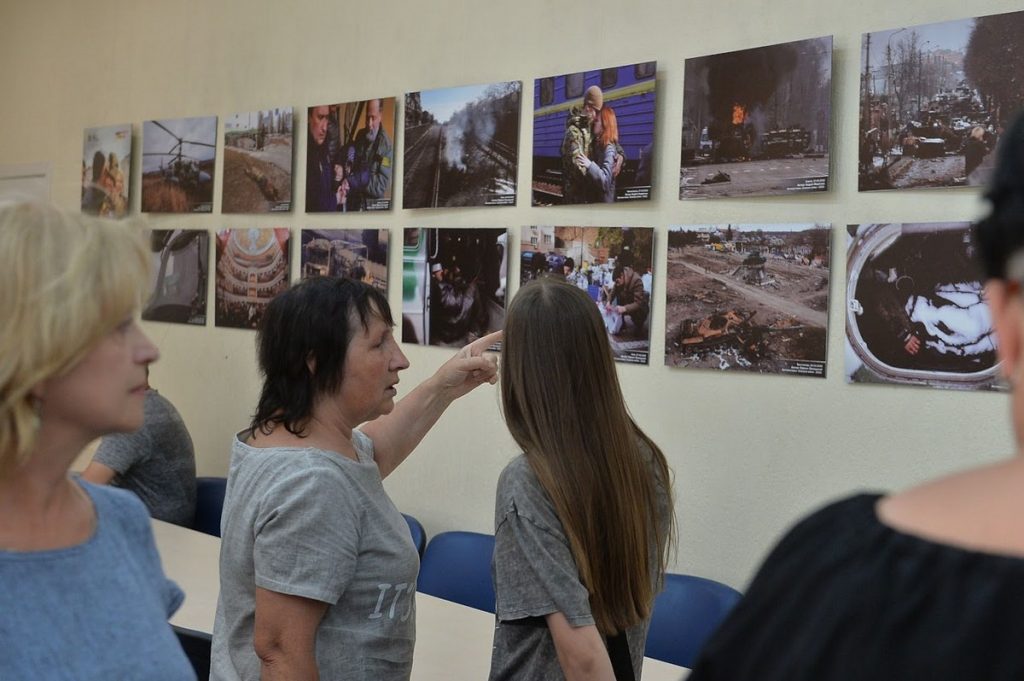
point(609, 126)
point(563, 405)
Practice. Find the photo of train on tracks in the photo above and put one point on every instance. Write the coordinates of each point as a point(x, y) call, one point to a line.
point(106, 169)
point(462, 146)
point(178, 158)
point(756, 122)
point(593, 135)
point(453, 284)
point(359, 254)
point(258, 162)
point(614, 265)
point(934, 100)
point(180, 271)
point(915, 308)
point(748, 297)
point(350, 156)
point(252, 268)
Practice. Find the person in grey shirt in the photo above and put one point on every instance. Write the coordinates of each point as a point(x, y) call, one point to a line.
point(317, 566)
point(583, 518)
point(157, 462)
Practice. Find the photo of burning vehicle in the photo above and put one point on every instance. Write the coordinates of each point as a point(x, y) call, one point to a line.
point(258, 162)
point(612, 264)
point(756, 122)
point(177, 165)
point(180, 270)
point(359, 254)
point(453, 284)
point(748, 297)
point(462, 146)
point(593, 135)
point(934, 100)
point(915, 308)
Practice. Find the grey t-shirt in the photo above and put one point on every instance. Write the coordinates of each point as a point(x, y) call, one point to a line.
point(535, 575)
point(312, 523)
point(157, 462)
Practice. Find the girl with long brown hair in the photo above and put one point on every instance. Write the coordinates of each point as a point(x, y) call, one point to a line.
point(583, 517)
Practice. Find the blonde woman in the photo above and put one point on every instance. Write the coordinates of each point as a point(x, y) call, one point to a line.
point(583, 518)
point(82, 592)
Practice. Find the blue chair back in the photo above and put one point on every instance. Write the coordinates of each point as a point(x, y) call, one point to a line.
point(419, 536)
point(209, 504)
point(457, 567)
point(686, 613)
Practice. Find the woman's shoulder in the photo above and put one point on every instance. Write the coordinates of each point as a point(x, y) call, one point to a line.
point(519, 490)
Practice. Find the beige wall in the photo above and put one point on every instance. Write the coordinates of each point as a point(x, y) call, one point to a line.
point(750, 453)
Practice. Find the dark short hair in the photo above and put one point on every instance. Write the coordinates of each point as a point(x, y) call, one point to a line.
point(570, 263)
point(99, 164)
point(619, 267)
point(301, 345)
point(1000, 234)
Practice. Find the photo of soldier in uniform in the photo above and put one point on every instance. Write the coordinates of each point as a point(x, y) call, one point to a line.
point(915, 308)
point(360, 254)
point(180, 269)
point(748, 297)
point(934, 100)
point(756, 122)
point(453, 284)
point(106, 170)
point(178, 158)
point(350, 156)
point(614, 265)
point(252, 268)
point(593, 135)
point(258, 162)
point(462, 146)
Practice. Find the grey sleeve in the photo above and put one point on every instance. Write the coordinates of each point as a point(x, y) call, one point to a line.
point(121, 451)
point(307, 537)
point(534, 571)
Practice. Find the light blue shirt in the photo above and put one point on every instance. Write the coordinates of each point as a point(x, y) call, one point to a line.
point(97, 610)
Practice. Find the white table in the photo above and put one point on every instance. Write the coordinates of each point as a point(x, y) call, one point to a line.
point(452, 641)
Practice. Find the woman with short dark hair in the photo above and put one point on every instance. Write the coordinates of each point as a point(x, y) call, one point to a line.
point(318, 569)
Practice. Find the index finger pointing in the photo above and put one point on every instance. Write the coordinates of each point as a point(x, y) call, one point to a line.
point(478, 346)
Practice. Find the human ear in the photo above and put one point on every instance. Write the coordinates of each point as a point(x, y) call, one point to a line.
point(1006, 322)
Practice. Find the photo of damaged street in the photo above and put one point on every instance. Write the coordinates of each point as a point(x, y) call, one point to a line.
point(915, 308)
point(756, 122)
point(934, 100)
point(748, 297)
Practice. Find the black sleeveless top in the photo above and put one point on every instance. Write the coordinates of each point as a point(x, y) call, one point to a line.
point(844, 596)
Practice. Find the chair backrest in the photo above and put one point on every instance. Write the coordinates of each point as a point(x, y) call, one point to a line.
point(457, 567)
point(419, 535)
point(686, 613)
point(209, 504)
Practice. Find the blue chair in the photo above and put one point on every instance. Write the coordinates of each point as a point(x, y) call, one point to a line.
point(686, 613)
point(197, 647)
point(457, 567)
point(419, 536)
point(209, 504)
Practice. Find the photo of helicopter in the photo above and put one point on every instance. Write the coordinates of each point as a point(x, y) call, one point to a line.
point(178, 158)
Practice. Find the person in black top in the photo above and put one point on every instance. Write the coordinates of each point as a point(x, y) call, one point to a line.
point(923, 584)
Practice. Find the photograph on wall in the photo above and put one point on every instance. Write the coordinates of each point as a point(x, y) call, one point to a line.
point(614, 265)
point(178, 279)
point(593, 135)
point(935, 99)
point(462, 146)
point(360, 254)
point(756, 122)
point(915, 308)
point(106, 170)
point(178, 158)
point(350, 156)
point(748, 297)
point(258, 162)
point(252, 268)
point(453, 284)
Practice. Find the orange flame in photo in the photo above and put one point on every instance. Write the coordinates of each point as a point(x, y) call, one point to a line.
point(739, 114)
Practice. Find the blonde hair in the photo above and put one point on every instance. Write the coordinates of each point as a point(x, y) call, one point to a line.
point(66, 280)
point(563, 406)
